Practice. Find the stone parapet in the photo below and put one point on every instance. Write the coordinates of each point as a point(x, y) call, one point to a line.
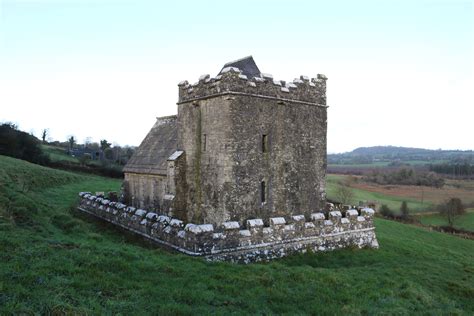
point(232, 81)
point(231, 242)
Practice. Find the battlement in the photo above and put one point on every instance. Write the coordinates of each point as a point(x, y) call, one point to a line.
point(232, 242)
point(231, 80)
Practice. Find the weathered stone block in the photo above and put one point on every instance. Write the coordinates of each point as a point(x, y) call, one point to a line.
point(277, 223)
point(230, 226)
point(335, 217)
point(318, 219)
point(368, 213)
point(298, 221)
point(255, 226)
point(352, 215)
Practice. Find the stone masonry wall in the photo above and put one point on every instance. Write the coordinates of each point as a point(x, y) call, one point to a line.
point(145, 190)
point(232, 242)
point(221, 122)
point(303, 89)
point(293, 165)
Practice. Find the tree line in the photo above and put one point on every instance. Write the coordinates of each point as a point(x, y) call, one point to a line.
point(21, 145)
point(405, 176)
point(464, 169)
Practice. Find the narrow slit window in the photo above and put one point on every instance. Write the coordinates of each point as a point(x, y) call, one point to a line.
point(263, 191)
point(264, 143)
point(204, 142)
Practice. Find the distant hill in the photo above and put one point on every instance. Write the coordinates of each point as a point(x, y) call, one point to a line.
point(390, 150)
point(377, 154)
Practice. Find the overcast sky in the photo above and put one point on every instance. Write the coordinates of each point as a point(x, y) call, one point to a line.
point(400, 72)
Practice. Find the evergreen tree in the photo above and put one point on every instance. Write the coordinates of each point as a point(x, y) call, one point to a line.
point(404, 211)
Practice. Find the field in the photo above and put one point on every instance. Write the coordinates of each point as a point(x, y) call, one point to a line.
point(54, 261)
point(58, 154)
point(465, 221)
point(419, 198)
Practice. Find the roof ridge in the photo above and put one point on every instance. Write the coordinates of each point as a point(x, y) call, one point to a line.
point(237, 60)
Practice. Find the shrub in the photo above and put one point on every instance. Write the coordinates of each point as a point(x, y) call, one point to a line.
point(344, 193)
point(385, 211)
point(404, 211)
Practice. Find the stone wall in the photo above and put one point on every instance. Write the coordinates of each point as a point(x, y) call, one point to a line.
point(145, 190)
point(232, 242)
point(221, 123)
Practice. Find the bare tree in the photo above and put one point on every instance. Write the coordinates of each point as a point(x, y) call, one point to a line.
point(71, 140)
point(344, 193)
point(452, 208)
point(44, 135)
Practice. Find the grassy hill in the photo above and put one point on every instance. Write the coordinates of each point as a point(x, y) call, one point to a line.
point(53, 260)
point(390, 153)
point(58, 154)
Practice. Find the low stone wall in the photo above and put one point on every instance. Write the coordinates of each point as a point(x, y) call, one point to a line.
point(231, 242)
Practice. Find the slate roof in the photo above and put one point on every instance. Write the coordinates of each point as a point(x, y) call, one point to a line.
point(247, 65)
point(159, 144)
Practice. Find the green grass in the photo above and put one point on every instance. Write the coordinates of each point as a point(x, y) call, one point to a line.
point(58, 154)
point(465, 221)
point(393, 202)
point(56, 261)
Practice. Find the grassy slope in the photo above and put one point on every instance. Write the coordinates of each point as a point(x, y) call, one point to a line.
point(58, 154)
point(89, 267)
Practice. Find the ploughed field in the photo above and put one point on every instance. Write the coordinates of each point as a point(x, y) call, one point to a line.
point(419, 198)
point(53, 260)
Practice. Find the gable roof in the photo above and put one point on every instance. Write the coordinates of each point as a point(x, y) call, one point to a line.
point(247, 65)
point(152, 154)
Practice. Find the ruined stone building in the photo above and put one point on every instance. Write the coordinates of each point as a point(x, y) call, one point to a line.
point(238, 175)
point(243, 145)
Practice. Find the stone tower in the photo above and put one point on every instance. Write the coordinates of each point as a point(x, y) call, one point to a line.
point(242, 146)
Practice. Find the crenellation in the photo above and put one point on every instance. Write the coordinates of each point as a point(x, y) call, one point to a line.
point(230, 242)
point(304, 78)
point(277, 222)
point(204, 77)
point(230, 226)
point(176, 223)
point(335, 216)
point(318, 219)
point(367, 213)
point(233, 81)
point(352, 215)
